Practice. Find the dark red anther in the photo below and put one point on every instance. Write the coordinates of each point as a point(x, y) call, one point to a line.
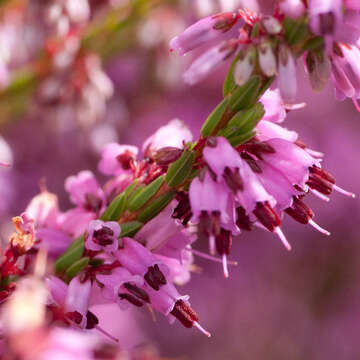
point(125, 159)
point(267, 215)
point(224, 242)
point(225, 21)
point(254, 165)
point(243, 221)
point(183, 208)
point(91, 320)
point(233, 179)
point(154, 277)
point(204, 226)
point(138, 292)
point(322, 173)
point(300, 211)
point(167, 155)
point(184, 313)
point(320, 184)
point(74, 316)
point(103, 236)
point(215, 223)
point(131, 299)
point(257, 148)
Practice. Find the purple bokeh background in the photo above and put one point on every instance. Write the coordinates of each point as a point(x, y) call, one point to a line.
point(276, 305)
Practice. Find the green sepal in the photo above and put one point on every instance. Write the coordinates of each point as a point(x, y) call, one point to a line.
point(314, 44)
point(156, 206)
point(180, 169)
point(296, 30)
point(214, 118)
point(246, 95)
point(241, 139)
point(76, 267)
point(229, 83)
point(72, 254)
point(146, 193)
point(129, 229)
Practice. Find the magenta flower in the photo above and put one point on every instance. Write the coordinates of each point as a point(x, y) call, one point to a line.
point(103, 236)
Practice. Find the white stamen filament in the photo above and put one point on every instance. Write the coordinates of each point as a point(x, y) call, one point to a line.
point(342, 191)
point(209, 257)
point(196, 324)
point(102, 331)
point(320, 195)
point(225, 267)
point(318, 227)
point(282, 237)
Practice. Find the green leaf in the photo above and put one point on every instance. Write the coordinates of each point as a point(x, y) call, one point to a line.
point(314, 44)
point(70, 256)
point(145, 194)
point(129, 229)
point(115, 209)
point(180, 169)
point(76, 267)
point(96, 262)
point(156, 206)
point(246, 95)
point(214, 118)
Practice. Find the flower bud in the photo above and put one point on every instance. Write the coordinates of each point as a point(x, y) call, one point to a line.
point(267, 59)
point(245, 66)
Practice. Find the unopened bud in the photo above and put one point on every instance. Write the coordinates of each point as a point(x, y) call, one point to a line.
point(267, 59)
point(167, 155)
point(245, 66)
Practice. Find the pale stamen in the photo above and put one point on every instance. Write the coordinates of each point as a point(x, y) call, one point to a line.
point(212, 244)
point(196, 324)
point(209, 257)
point(295, 106)
point(282, 237)
point(320, 195)
point(225, 266)
point(318, 227)
point(342, 191)
point(102, 331)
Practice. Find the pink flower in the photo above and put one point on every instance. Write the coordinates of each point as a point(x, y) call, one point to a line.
point(203, 31)
point(85, 191)
point(103, 236)
point(274, 106)
point(55, 241)
point(173, 134)
point(123, 288)
point(116, 159)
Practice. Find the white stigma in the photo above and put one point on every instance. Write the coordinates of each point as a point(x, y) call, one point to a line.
point(282, 237)
point(314, 153)
point(342, 191)
point(320, 195)
point(196, 324)
point(225, 265)
point(318, 227)
point(102, 331)
point(210, 257)
point(295, 106)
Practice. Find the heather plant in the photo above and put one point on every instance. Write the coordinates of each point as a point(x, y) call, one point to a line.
point(133, 240)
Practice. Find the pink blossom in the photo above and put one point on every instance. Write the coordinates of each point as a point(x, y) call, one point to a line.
point(274, 106)
point(116, 159)
point(206, 29)
point(103, 236)
point(292, 8)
